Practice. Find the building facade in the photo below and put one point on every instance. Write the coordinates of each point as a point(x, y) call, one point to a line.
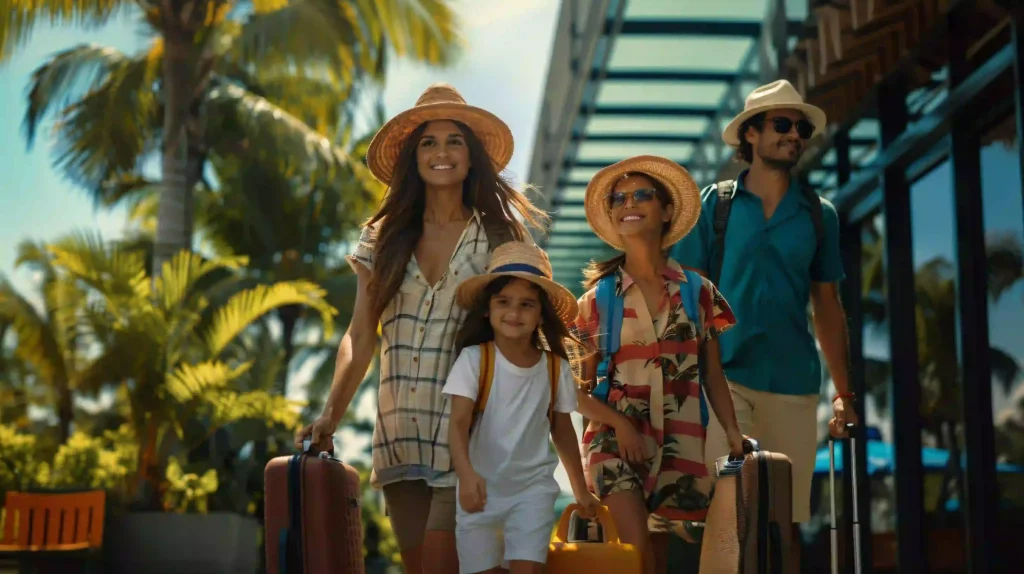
point(922, 159)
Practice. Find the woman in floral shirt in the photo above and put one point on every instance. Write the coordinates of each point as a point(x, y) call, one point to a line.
point(644, 446)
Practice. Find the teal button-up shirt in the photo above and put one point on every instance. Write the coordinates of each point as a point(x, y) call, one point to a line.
point(766, 277)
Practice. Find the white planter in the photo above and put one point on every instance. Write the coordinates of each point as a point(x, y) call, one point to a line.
point(165, 543)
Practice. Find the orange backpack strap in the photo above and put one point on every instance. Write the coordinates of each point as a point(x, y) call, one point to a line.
point(554, 372)
point(486, 377)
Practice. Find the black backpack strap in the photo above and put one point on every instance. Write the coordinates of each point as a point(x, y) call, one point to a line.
point(498, 232)
point(726, 190)
point(817, 216)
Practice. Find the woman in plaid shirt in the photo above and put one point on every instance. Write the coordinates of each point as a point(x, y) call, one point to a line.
point(445, 209)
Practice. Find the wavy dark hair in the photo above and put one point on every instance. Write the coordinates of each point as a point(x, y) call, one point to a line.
point(745, 151)
point(477, 328)
point(600, 269)
point(400, 215)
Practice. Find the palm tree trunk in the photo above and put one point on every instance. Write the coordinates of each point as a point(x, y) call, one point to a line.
point(175, 211)
point(65, 411)
point(289, 316)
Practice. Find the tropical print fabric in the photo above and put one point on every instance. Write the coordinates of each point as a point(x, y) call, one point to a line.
point(655, 383)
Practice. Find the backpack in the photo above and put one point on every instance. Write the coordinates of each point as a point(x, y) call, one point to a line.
point(487, 353)
point(726, 191)
point(611, 309)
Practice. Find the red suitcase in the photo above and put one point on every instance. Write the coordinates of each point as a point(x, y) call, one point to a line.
point(313, 522)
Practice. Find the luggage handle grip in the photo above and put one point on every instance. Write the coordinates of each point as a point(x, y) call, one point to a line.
point(310, 449)
point(750, 445)
point(604, 518)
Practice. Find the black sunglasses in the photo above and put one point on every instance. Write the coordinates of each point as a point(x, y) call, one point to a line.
point(618, 198)
point(783, 125)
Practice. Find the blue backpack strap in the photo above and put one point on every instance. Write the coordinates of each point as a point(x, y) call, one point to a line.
point(610, 310)
point(689, 292)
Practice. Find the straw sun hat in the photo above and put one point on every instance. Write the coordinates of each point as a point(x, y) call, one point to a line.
point(524, 261)
point(778, 95)
point(677, 181)
point(440, 101)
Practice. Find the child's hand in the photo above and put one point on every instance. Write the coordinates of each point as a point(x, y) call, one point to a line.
point(631, 444)
point(472, 492)
point(589, 503)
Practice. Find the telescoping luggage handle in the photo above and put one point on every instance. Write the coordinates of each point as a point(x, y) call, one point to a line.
point(850, 431)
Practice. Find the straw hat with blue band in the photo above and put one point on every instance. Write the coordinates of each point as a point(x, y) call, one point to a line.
point(524, 261)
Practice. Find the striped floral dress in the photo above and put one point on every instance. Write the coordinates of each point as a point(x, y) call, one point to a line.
point(655, 383)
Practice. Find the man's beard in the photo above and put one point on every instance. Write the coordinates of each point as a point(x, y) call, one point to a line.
point(781, 164)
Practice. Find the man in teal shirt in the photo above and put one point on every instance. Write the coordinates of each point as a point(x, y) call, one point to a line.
point(773, 264)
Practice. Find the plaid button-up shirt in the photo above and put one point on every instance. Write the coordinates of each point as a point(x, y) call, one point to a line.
point(418, 328)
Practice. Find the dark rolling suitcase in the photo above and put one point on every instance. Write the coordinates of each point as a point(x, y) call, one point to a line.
point(312, 515)
point(749, 529)
point(834, 527)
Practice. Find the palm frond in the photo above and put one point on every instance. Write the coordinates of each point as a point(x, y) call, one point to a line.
point(183, 271)
point(109, 269)
point(59, 80)
point(307, 33)
point(230, 407)
point(37, 344)
point(271, 134)
point(424, 30)
point(203, 381)
point(19, 18)
point(109, 131)
point(246, 307)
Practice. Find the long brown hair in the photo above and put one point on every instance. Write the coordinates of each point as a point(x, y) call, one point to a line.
point(401, 211)
point(477, 328)
point(596, 271)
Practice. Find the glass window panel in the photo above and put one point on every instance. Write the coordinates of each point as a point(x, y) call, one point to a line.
point(700, 53)
point(698, 9)
point(933, 224)
point(615, 151)
point(659, 126)
point(662, 93)
point(1004, 242)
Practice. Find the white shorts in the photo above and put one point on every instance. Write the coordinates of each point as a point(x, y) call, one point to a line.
point(515, 528)
point(781, 423)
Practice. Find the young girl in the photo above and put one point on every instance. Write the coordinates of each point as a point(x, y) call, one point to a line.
point(644, 446)
point(500, 452)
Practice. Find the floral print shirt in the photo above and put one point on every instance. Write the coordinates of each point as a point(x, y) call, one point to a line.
point(655, 382)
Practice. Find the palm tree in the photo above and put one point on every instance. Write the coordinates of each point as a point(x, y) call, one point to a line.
point(185, 360)
point(185, 78)
point(49, 341)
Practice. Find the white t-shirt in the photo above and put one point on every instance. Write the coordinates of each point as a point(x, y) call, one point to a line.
point(509, 446)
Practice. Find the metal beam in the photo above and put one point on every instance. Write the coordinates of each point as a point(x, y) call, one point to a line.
point(902, 315)
point(638, 137)
point(695, 27)
point(599, 163)
point(672, 76)
point(655, 111)
point(981, 490)
point(918, 139)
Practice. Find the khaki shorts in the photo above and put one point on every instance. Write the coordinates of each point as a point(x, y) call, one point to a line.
point(781, 423)
point(414, 508)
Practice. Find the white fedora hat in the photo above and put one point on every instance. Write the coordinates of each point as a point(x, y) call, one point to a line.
point(778, 95)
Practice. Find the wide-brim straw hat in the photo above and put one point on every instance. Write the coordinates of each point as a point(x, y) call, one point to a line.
point(440, 101)
point(524, 261)
point(677, 181)
point(778, 95)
